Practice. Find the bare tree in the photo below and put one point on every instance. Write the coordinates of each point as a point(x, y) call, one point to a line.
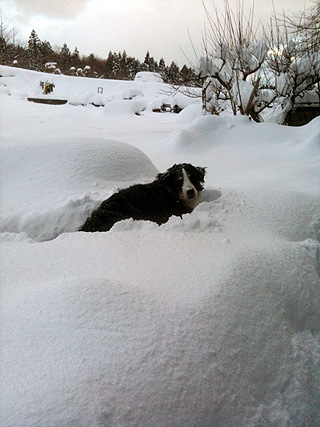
point(294, 58)
point(8, 38)
point(7, 30)
point(233, 54)
point(305, 27)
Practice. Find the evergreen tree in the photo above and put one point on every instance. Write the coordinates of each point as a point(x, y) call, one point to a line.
point(20, 55)
point(75, 59)
point(92, 62)
point(116, 66)
point(46, 54)
point(133, 67)
point(34, 51)
point(149, 64)
point(123, 66)
point(172, 74)
point(162, 66)
point(188, 76)
point(109, 66)
point(3, 50)
point(65, 59)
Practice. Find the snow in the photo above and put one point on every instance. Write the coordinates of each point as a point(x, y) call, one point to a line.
point(208, 320)
point(148, 77)
point(122, 107)
point(242, 92)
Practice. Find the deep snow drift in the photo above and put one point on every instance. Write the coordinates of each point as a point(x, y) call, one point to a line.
point(210, 320)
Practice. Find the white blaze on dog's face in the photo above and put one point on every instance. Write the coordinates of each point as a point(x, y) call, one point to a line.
point(189, 193)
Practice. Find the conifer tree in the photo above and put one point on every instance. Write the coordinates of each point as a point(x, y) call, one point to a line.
point(34, 51)
point(172, 73)
point(3, 50)
point(162, 66)
point(109, 66)
point(75, 59)
point(46, 54)
point(65, 59)
point(149, 63)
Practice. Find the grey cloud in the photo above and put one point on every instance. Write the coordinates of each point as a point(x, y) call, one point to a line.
point(51, 8)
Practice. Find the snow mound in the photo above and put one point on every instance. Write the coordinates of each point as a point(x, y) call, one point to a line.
point(59, 182)
point(132, 93)
point(148, 77)
point(253, 155)
point(125, 107)
point(190, 113)
point(182, 101)
point(160, 346)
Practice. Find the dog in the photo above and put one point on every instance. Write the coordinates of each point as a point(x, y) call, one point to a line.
point(174, 192)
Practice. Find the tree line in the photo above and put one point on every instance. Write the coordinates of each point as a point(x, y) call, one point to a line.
point(40, 56)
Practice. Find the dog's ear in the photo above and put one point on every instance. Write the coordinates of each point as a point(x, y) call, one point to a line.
point(162, 176)
point(166, 175)
point(202, 172)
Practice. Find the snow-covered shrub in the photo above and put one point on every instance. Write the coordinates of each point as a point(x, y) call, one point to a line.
point(148, 77)
point(224, 76)
point(51, 67)
point(80, 72)
point(295, 75)
point(131, 93)
point(124, 108)
point(87, 71)
point(98, 100)
point(79, 99)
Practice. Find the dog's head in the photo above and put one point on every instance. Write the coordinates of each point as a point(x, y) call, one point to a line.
point(185, 181)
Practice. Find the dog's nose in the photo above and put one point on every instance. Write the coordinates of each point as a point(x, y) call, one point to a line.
point(190, 192)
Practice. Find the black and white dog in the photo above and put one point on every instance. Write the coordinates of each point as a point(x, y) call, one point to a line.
point(175, 192)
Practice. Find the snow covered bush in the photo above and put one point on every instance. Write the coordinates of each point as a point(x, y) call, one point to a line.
point(148, 77)
point(232, 55)
point(50, 67)
point(295, 69)
point(125, 107)
point(131, 93)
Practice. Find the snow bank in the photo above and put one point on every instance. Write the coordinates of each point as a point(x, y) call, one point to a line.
point(244, 153)
point(78, 90)
point(59, 182)
point(212, 319)
point(190, 113)
point(114, 338)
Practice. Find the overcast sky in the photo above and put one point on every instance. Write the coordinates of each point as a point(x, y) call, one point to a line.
point(98, 26)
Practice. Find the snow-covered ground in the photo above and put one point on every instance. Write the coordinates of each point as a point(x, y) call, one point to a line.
point(212, 320)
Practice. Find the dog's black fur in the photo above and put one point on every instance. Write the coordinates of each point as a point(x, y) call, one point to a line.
point(156, 201)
